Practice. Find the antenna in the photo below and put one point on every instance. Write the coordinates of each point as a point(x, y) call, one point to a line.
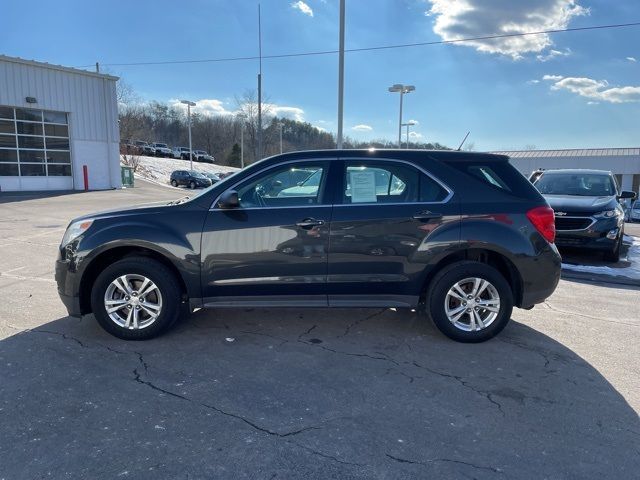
point(259, 86)
point(464, 140)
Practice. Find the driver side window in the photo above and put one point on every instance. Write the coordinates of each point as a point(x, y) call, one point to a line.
point(291, 185)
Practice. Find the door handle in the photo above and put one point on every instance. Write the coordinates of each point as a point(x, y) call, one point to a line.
point(310, 223)
point(427, 215)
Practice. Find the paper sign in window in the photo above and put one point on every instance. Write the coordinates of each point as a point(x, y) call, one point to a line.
point(363, 187)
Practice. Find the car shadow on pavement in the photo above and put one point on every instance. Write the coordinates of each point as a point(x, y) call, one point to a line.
point(285, 394)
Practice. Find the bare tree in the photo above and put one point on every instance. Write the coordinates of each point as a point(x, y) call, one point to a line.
point(132, 161)
point(248, 110)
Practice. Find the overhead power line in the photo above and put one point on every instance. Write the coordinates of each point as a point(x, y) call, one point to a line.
point(369, 49)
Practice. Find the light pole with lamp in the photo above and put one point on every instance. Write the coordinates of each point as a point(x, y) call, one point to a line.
point(280, 126)
point(410, 123)
point(189, 104)
point(402, 89)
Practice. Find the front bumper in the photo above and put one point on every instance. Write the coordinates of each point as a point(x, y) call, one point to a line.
point(597, 237)
point(67, 287)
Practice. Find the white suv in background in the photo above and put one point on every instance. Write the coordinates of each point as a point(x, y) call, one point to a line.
point(162, 150)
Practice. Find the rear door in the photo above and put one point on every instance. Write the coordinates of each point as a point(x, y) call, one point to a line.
point(392, 221)
point(273, 249)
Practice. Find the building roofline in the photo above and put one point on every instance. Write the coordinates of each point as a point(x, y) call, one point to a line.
point(34, 63)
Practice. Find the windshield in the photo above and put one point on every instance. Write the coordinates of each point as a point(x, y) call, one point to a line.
point(581, 184)
point(637, 204)
point(197, 174)
point(161, 145)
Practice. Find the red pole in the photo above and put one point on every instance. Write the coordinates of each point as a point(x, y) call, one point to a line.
point(85, 172)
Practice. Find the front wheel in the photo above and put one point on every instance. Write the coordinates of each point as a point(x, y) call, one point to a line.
point(469, 301)
point(174, 183)
point(614, 255)
point(136, 298)
point(192, 185)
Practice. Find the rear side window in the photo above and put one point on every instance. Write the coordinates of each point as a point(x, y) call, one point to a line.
point(388, 182)
point(498, 175)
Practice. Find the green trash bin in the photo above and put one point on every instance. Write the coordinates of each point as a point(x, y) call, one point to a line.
point(127, 176)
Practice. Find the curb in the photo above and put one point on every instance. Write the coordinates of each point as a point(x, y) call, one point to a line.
point(600, 278)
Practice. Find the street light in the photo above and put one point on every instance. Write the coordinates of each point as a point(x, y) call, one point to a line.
point(410, 123)
point(189, 104)
point(280, 126)
point(402, 89)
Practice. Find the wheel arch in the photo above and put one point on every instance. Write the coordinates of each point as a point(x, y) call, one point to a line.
point(107, 257)
point(483, 255)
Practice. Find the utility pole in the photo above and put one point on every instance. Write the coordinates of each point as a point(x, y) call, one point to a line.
point(410, 123)
point(341, 76)
point(259, 86)
point(280, 125)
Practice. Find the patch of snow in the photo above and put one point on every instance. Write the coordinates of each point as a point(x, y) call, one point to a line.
point(158, 170)
point(633, 258)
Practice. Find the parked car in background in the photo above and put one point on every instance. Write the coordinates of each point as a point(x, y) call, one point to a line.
point(189, 178)
point(203, 156)
point(463, 236)
point(144, 148)
point(181, 152)
point(588, 213)
point(162, 150)
point(214, 177)
point(634, 212)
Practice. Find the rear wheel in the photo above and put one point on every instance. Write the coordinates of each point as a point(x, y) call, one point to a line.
point(469, 301)
point(136, 298)
point(174, 183)
point(192, 185)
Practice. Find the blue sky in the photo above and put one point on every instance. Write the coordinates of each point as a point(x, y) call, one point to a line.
point(567, 90)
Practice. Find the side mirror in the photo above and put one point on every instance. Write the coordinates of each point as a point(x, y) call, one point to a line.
point(229, 199)
point(627, 194)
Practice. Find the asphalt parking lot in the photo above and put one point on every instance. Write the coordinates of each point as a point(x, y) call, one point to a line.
point(287, 394)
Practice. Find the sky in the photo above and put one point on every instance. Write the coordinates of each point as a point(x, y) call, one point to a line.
point(563, 90)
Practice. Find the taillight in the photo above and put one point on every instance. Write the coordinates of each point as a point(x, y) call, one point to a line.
point(544, 220)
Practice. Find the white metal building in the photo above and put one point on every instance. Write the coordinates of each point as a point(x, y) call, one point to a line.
point(54, 121)
point(623, 162)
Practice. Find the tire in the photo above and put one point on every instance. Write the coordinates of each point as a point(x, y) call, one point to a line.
point(438, 299)
point(613, 256)
point(165, 293)
point(174, 183)
point(192, 185)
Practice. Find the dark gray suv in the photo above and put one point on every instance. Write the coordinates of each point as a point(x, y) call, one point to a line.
point(462, 236)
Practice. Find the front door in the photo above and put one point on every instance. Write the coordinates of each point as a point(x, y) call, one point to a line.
point(391, 223)
point(273, 249)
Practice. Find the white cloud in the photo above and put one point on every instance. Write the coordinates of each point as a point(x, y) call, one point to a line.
point(212, 107)
point(632, 59)
point(595, 90)
point(303, 7)
point(207, 106)
point(415, 135)
point(415, 122)
point(553, 54)
point(456, 19)
point(532, 82)
point(362, 128)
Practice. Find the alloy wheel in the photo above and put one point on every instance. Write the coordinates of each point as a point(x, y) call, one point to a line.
point(133, 301)
point(472, 304)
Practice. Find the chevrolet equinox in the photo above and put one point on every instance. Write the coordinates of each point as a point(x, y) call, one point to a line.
point(463, 236)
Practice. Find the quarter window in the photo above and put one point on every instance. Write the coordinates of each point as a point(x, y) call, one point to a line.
point(285, 186)
point(34, 143)
point(389, 182)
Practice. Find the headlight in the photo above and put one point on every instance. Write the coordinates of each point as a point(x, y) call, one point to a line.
point(75, 230)
point(606, 214)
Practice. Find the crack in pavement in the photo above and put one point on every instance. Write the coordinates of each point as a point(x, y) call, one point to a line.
point(327, 456)
point(357, 322)
point(464, 383)
point(590, 317)
point(426, 463)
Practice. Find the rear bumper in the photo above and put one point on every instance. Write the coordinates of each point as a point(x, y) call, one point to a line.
point(540, 275)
